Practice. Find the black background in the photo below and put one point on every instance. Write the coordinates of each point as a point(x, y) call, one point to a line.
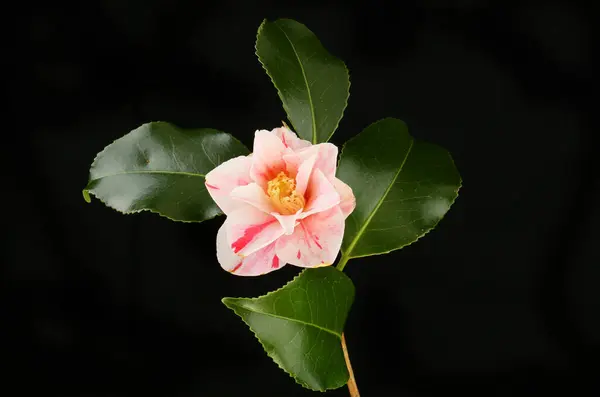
point(501, 299)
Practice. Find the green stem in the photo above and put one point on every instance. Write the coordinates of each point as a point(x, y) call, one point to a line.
point(344, 259)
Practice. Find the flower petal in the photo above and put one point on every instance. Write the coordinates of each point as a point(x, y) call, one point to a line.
point(288, 222)
point(254, 195)
point(225, 255)
point(260, 262)
point(347, 200)
point(315, 242)
point(326, 157)
point(249, 230)
point(304, 174)
point(320, 195)
point(292, 162)
point(224, 178)
point(267, 158)
point(289, 139)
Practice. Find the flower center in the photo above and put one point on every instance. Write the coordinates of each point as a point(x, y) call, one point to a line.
point(283, 194)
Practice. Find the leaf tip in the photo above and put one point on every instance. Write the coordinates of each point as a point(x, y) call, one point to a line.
point(229, 302)
point(261, 26)
point(86, 196)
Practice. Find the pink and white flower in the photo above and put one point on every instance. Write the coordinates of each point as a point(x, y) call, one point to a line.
point(283, 203)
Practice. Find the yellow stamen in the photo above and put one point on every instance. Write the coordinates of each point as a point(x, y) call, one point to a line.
point(283, 194)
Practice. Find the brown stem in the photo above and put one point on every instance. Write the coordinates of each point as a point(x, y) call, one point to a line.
point(351, 381)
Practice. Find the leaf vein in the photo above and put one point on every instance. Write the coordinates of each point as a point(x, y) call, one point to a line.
point(310, 101)
point(150, 172)
point(295, 320)
point(363, 228)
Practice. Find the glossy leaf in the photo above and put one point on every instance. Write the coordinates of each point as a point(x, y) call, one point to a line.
point(403, 188)
point(160, 168)
point(300, 325)
point(312, 84)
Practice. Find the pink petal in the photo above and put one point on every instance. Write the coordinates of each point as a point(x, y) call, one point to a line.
point(326, 157)
point(316, 241)
point(289, 139)
point(348, 202)
point(327, 160)
point(249, 230)
point(225, 255)
point(260, 262)
point(253, 195)
point(320, 195)
point(292, 162)
point(267, 158)
point(304, 174)
point(224, 178)
point(288, 222)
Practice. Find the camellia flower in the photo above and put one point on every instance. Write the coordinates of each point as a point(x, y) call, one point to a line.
point(283, 203)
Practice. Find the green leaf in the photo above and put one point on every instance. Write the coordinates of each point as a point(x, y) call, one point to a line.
point(312, 84)
point(160, 168)
point(403, 188)
point(300, 325)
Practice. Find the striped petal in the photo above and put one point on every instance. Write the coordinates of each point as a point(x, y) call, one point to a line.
point(316, 241)
point(249, 230)
point(226, 177)
point(258, 263)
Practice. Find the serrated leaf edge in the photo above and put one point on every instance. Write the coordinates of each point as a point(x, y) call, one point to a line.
point(298, 381)
point(418, 237)
point(435, 224)
point(260, 28)
point(89, 192)
point(86, 192)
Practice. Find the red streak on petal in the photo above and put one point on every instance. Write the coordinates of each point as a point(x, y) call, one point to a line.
point(248, 236)
point(283, 139)
point(237, 267)
point(298, 255)
point(306, 234)
point(211, 186)
point(312, 237)
point(316, 242)
point(275, 263)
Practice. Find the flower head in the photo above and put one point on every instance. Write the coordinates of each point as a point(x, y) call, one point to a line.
point(283, 203)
